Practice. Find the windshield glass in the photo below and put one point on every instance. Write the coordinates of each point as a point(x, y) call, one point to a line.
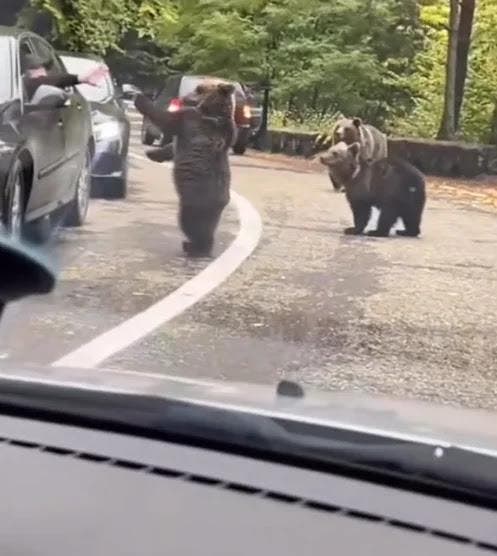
point(5, 64)
point(336, 228)
point(81, 66)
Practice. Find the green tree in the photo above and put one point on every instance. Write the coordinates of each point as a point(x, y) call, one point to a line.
point(99, 25)
point(319, 55)
point(479, 116)
point(382, 60)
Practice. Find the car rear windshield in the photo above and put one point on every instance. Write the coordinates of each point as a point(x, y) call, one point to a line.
point(188, 84)
point(5, 64)
point(79, 66)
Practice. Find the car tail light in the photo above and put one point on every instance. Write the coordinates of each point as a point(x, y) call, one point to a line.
point(174, 105)
point(247, 112)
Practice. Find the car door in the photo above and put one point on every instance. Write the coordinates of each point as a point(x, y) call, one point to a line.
point(74, 122)
point(44, 135)
point(77, 127)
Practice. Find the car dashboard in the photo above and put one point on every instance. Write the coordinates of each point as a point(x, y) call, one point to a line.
point(70, 490)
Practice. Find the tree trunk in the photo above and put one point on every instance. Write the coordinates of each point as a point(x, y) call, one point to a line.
point(448, 124)
point(463, 44)
point(314, 101)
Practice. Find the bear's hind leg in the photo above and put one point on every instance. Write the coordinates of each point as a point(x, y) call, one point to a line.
point(388, 217)
point(189, 223)
point(411, 219)
point(210, 221)
point(199, 225)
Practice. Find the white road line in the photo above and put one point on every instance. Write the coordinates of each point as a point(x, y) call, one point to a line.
point(109, 343)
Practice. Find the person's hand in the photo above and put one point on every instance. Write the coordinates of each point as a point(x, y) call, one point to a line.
point(94, 76)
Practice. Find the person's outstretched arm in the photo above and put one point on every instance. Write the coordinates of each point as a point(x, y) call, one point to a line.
point(64, 79)
point(60, 80)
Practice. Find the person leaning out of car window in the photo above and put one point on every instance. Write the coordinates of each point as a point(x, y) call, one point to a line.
point(35, 74)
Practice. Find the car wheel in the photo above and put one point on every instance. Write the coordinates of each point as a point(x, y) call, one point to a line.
point(117, 188)
point(78, 208)
point(146, 136)
point(13, 220)
point(40, 230)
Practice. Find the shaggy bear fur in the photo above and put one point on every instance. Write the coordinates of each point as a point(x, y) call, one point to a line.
point(352, 130)
point(203, 135)
point(166, 151)
point(392, 185)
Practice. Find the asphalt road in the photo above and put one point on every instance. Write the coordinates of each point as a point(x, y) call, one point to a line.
point(415, 318)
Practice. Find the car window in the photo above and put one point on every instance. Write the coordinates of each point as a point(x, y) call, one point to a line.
point(169, 91)
point(189, 82)
point(78, 66)
point(47, 54)
point(188, 85)
point(164, 95)
point(5, 64)
point(25, 48)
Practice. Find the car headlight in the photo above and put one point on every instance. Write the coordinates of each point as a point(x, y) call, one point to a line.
point(106, 130)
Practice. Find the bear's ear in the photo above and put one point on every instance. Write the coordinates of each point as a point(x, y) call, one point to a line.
point(200, 89)
point(226, 88)
point(357, 122)
point(354, 149)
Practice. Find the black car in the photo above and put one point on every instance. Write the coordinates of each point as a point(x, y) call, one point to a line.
point(111, 128)
point(253, 101)
point(177, 87)
point(45, 144)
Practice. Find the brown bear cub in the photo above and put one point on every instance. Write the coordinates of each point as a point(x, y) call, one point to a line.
point(374, 144)
point(392, 185)
point(203, 135)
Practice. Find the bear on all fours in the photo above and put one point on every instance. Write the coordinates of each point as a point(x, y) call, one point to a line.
point(392, 185)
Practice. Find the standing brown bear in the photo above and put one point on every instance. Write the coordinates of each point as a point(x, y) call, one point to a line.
point(203, 135)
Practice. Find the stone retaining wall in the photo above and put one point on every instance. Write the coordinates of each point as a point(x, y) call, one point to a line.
point(443, 158)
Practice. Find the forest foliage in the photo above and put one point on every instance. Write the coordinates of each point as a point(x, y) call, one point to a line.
point(382, 60)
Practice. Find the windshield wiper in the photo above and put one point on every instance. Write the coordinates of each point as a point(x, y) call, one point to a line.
point(450, 472)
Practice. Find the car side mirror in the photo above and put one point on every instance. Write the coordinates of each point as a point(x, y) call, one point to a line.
point(24, 271)
point(47, 97)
